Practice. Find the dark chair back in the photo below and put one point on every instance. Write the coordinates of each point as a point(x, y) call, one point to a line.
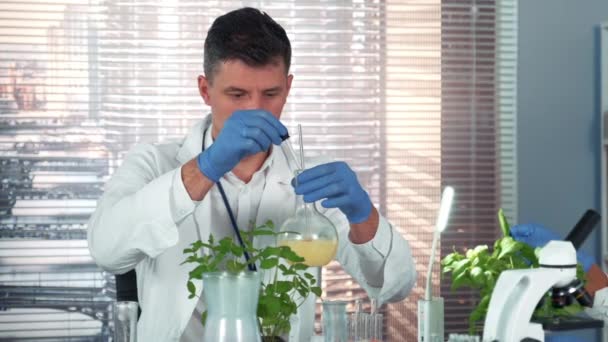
point(126, 288)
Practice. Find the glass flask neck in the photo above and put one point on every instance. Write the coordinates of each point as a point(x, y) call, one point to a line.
point(309, 207)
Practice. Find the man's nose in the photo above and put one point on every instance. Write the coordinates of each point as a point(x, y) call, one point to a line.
point(254, 102)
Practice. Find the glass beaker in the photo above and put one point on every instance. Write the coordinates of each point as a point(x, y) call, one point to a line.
point(310, 235)
point(335, 322)
point(232, 301)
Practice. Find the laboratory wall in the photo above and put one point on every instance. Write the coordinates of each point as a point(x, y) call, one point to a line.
point(558, 115)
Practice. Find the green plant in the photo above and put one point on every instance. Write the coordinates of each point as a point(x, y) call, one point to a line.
point(479, 268)
point(277, 301)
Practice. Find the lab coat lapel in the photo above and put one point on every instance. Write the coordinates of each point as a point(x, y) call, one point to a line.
point(192, 144)
point(278, 199)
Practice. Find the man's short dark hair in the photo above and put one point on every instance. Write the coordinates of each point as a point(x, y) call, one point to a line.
point(248, 35)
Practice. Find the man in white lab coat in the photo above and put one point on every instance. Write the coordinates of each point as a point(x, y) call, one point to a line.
point(165, 196)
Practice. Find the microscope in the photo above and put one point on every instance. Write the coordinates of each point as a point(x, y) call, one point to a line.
point(517, 293)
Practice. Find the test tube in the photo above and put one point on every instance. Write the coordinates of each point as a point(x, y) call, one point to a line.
point(376, 327)
point(355, 326)
point(365, 329)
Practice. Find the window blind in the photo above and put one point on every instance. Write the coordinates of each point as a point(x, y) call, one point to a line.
point(395, 88)
point(477, 131)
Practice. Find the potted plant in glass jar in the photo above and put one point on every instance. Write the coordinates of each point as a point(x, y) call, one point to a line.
point(230, 285)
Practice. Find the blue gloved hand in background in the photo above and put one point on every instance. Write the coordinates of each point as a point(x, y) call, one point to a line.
point(245, 132)
point(563, 338)
point(537, 235)
point(533, 234)
point(339, 185)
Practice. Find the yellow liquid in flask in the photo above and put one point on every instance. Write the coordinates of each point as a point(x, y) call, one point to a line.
point(315, 252)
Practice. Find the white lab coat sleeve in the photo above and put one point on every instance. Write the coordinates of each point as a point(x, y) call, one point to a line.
point(383, 266)
point(137, 215)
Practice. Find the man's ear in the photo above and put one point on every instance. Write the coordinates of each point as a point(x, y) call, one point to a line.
point(203, 88)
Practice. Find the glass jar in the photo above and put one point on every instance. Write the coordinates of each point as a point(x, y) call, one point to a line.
point(231, 301)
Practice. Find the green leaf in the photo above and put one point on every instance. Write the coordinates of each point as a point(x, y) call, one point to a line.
point(237, 250)
point(270, 251)
point(469, 254)
point(461, 280)
point(262, 311)
point(234, 266)
point(195, 247)
point(190, 259)
point(216, 260)
point(269, 263)
point(299, 266)
point(580, 273)
point(204, 317)
point(197, 273)
point(451, 258)
point(504, 224)
point(283, 286)
point(477, 276)
point(446, 269)
point(288, 254)
point(191, 289)
point(225, 245)
point(508, 247)
point(480, 256)
point(496, 251)
point(569, 310)
point(316, 290)
point(527, 253)
point(273, 305)
point(269, 224)
point(460, 266)
point(479, 313)
point(261, 232)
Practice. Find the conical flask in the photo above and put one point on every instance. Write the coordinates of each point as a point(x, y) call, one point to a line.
point(310, 234)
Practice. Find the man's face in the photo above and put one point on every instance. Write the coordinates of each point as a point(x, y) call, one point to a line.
point(237, 86)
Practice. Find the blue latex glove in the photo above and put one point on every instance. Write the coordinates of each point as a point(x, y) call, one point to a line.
point(537, 235)
point(245, 132)
point(339, 185)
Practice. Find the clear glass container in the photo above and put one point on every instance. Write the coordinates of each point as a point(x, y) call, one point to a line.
point(310, 235)
point(232, 301)
point(335, 322)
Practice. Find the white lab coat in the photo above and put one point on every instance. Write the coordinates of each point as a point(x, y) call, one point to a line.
point(145, 220)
